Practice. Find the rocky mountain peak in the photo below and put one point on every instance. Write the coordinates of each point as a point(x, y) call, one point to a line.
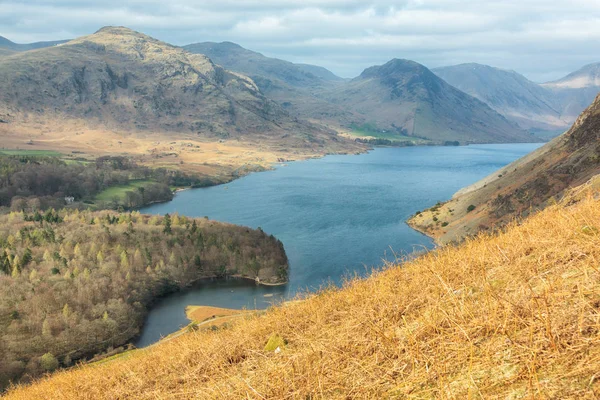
point(396, 67)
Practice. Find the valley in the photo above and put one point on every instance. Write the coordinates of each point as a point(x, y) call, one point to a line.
point(206, 221)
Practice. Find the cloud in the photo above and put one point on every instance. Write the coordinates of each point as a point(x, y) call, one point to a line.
point(542, 39)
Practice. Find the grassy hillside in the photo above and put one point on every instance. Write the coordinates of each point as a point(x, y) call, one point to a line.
point(526, 185)
point(510, 316)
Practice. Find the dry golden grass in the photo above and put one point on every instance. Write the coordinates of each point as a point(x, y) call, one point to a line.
point(186, 152)
point(510, 316)
point(202, 313)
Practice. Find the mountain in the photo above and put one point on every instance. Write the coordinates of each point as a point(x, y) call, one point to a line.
point(125, 80)
point(576, 91)
point(296, 87)
point(405, 97)
point(314, 93)
point(6, 44)
point(320, 72)
point(236, 58)
point(586, 76)
point(526, 185)
point(509, 93)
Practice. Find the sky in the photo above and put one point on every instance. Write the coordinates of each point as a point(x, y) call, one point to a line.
point(542, 39)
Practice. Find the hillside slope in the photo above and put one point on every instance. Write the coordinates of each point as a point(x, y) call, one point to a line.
point(296, 87)
point(507, 92)
point(576, 91)
point(405, 97)
point(236, 58)
point(512, 316)
point(527, 184)
point(6, 44)
point(124, 80)
point(586, 76)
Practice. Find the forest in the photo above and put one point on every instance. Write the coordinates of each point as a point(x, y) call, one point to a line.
point(74, 283)
point(29, 183)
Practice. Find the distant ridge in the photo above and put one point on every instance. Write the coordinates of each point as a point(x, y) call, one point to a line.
point(509, 93)
point(586, 76)
point(251, 63)
point(406, 97)
point(9, 45)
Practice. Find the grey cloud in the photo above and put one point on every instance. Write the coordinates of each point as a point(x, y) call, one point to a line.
point(543, 40)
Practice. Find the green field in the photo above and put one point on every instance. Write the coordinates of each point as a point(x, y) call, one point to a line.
point(370, 130)
point(119, 191)
point(41, 153)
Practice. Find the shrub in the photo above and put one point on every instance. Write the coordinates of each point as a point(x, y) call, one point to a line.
point(48, 362)
point(274, 342)
point(470, 208)
point(444, 224)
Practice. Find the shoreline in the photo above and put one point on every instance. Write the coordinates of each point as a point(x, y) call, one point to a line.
point(422, 231)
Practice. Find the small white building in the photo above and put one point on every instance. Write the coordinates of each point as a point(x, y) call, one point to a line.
point(69, 199)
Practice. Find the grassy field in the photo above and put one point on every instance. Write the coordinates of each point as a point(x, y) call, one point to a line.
point(41, 153)
point(119, 191)
point(371, 131)
point(509, 316)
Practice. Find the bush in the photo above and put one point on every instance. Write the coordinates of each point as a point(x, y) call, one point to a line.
point(48, 362)
point(470, 208)
point(444, 224)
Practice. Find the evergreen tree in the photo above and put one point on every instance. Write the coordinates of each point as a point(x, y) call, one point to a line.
point(27, 257)
point(167, 223)
point(5, 263)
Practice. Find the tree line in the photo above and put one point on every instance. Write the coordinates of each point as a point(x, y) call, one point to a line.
point(30, 183)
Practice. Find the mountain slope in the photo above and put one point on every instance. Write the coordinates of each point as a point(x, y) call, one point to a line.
point(507, 92)
point(9, 45)
point(295, 87)
point(6, 52)
point(507, 317)
point(319, 72)
point(405, 97)
point(576, 91)
point(129, 81)
point(586, 76)
point(528, 184)
point(236, 58)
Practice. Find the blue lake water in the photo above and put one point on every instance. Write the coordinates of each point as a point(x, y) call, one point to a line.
point(336, 216)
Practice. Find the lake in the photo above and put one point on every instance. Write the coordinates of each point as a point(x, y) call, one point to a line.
point(336, 216)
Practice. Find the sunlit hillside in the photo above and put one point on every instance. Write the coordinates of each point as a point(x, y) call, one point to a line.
point(508, 316)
